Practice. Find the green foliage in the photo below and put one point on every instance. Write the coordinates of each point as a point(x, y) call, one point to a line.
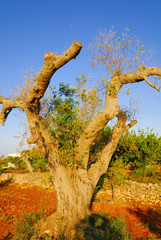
point(140, 149)
point(35, 158)
point(141, 152)
point(62, 121)
point(1, 169)
point(41, 164)
point(11, 163)
point(154, 171)
point(116, 174)
point(22, 165)
point(70, 110)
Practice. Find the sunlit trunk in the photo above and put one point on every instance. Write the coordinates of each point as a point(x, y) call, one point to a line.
point(74, 194)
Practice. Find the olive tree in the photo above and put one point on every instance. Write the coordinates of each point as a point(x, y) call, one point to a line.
point(75, 184)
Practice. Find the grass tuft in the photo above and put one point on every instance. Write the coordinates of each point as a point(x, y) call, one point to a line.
point(25, 226)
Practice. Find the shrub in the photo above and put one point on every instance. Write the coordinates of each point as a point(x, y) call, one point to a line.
point(36, 159)
point(116, 175)
point(102, 227)
point(149, 173)
point(139, 174)
point(141, 148)
point(41, 164)
point(22, 165)
point(1, 169)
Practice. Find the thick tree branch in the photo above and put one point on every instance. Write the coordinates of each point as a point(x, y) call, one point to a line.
point(43, 139)
point(140, 75)
point(89, 135)
point(111, 108)
point(96, 125)
point(31, 102)
point(7, 108)
point(100, 167)
point(52, 63)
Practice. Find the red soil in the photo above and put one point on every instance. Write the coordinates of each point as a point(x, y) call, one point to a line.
point(14, 201)
point(139, 218)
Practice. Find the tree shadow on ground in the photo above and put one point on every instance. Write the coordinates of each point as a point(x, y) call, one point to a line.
point(150, 218)
point(102, 227)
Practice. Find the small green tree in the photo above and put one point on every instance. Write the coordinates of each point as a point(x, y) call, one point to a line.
point(140, 150)
point(35, 158)
point(70, 109)
point(61, 120)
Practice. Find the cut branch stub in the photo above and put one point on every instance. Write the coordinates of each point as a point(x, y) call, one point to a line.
point(4, 114)
point(31, 102)
point(52, 63)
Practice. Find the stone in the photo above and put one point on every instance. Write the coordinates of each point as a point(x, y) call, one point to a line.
point(5, 178)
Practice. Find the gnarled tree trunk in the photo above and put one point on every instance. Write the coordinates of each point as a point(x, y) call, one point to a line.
point(74, 192)
point(74, 186)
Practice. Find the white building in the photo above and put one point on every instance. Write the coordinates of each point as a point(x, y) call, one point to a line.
point(14, 155)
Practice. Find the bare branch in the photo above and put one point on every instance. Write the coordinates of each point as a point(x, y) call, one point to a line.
point(130, 125)
point(150, 84)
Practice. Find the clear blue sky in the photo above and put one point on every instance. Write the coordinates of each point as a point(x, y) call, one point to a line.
point(30, 28)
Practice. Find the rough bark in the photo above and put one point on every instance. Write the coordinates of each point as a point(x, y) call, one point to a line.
point(74, 192)
point(74, 186)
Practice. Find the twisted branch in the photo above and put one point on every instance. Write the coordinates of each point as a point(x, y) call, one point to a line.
point(7, 107)
point(140, 75)
point(32, 100)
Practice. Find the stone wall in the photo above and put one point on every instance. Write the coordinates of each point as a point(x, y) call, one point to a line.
point(129, 191)
point(27, 180)
point(132, 191)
